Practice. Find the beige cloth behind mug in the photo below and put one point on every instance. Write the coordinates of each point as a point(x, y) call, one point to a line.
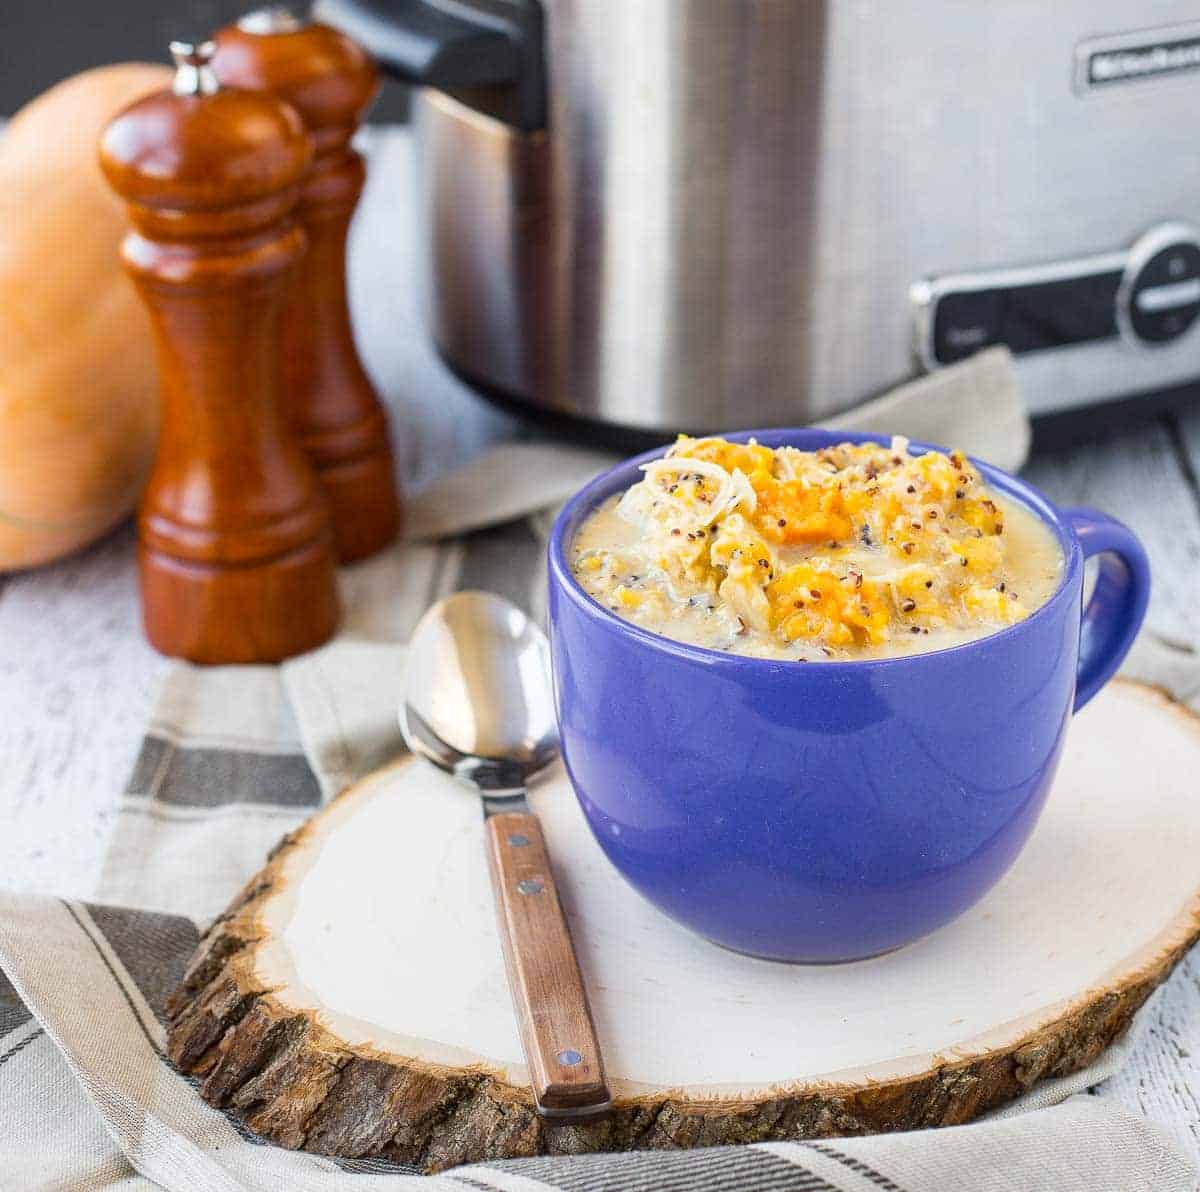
point(975, 406)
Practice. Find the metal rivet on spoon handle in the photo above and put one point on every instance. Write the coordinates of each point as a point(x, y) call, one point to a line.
point(478, 704)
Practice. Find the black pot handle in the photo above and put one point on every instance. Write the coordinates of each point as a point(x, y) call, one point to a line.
point(480, 44)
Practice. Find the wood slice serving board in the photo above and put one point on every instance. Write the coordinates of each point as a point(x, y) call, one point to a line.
point(352, 1001)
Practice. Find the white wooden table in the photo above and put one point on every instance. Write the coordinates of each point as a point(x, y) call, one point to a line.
point(77, 679)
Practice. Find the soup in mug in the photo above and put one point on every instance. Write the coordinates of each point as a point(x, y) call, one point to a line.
point(849, 552)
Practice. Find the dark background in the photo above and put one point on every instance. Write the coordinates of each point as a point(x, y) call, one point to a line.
point(41, 43)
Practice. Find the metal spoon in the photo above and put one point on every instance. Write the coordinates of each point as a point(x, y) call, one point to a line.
point(478, 704)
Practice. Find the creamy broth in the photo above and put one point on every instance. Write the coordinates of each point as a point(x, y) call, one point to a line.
point(788, 556)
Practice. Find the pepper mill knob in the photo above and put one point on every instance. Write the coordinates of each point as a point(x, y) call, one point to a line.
point(193, 69)
point(334, 409)
point(234, 548)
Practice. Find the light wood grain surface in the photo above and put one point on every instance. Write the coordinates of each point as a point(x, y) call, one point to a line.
point(1147, 477)
point(77, 680)
point(701, 1045)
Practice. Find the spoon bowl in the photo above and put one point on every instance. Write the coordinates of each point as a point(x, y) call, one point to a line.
point(478, 700)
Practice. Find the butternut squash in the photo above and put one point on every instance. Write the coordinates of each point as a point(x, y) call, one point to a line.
point(78, 385)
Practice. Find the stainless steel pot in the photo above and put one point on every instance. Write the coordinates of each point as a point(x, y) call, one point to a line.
point(699, 214)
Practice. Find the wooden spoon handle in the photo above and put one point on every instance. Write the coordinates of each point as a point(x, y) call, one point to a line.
point(557, 1032)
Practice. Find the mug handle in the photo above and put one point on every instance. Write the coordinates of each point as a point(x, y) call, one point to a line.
point(1115, 612)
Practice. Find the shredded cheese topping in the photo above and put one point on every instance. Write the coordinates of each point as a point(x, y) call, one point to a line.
point(843, 548)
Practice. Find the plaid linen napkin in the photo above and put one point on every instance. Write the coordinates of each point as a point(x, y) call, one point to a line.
point(237, 756)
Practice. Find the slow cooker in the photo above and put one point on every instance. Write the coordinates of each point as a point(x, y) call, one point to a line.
point(664, 214)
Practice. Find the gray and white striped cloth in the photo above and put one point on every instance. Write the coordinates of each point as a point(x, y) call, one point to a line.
point(236, 757)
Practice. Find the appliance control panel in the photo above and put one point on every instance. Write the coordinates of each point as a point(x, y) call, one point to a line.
point(1147, 296)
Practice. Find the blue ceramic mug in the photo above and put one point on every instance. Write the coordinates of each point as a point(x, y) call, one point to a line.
point(837, 810)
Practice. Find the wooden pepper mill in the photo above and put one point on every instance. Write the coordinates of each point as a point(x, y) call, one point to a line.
point(235, 551)
point(333, 406)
